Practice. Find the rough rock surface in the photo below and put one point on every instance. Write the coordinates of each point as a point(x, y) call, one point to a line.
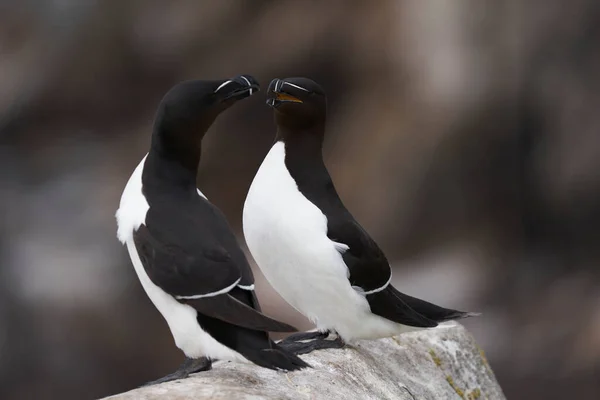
point(440, 363)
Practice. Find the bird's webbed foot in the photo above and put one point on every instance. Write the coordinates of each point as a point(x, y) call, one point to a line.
point(300, 336)
point(320, 343)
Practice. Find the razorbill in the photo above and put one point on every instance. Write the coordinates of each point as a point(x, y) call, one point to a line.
point(181, 246)
point(307, 244)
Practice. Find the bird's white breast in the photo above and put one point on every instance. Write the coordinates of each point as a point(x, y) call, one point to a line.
point(133, 206)
point(181, 318)
point(287, 236)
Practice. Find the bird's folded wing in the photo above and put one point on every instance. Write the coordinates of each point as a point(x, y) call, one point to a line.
point(185, 272)
point(200, 277)
point(227, 308)
point(369, 272)
point(368, 268)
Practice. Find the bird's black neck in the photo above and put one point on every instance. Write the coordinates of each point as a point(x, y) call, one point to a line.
point(303, 141)
point(165, 171)
point(303, 152)
point(176, 147)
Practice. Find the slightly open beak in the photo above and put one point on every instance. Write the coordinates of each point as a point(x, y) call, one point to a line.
point(275, 95)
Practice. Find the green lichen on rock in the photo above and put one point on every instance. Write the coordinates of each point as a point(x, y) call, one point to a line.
point(483, 358)
point(481, 353)
point(474, 394)
point(435, 358)
point(458, 390)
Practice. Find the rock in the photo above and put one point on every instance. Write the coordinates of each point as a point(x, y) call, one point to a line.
point(440, 363)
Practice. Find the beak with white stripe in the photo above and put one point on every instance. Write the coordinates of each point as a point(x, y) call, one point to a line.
point(281, 91)
point(297, 102)
point(237, 88)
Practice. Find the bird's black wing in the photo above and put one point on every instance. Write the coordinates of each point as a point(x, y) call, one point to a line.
point(229, 309)
point(368, 266)
point(370, 271)
point(199, 274)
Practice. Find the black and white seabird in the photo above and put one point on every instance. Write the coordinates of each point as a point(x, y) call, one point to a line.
point(182, 248)
point(307, 244)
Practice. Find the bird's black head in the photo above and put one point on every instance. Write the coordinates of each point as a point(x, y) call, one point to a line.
point(189, 109)
point(299, 103)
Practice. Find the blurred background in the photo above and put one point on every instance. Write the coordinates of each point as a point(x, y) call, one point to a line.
point(464, 136)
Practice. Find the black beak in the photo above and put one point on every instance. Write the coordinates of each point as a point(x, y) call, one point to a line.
point(276, 96)
point(275, 85)
point(272, 92)
point(240, 87)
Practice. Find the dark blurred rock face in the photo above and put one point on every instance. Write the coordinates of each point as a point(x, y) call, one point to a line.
point(463, 135)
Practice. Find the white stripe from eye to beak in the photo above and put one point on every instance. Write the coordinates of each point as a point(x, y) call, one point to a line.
point(223, 84)
point(218, 292)
point(248, 82)
point(296, 86)
point(248, 287)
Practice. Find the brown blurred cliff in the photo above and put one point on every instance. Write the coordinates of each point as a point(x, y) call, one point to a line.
point(463, 135)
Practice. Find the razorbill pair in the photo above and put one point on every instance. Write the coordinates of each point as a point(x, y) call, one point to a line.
point(181, 246)
point(307, 244)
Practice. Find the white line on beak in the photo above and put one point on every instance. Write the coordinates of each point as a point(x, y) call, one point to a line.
point(223, 84)
point(248, 82)
point(296, 86)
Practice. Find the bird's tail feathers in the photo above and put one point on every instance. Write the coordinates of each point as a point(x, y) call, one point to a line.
point(460, 315)
point(432, 311)
point(229, 309)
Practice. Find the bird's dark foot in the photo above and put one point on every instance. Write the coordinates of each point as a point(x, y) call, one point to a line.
point(189, 366)
point(317, 344)
point(297, 337)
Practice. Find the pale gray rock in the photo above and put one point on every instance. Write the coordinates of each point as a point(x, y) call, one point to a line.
point(440, 363)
